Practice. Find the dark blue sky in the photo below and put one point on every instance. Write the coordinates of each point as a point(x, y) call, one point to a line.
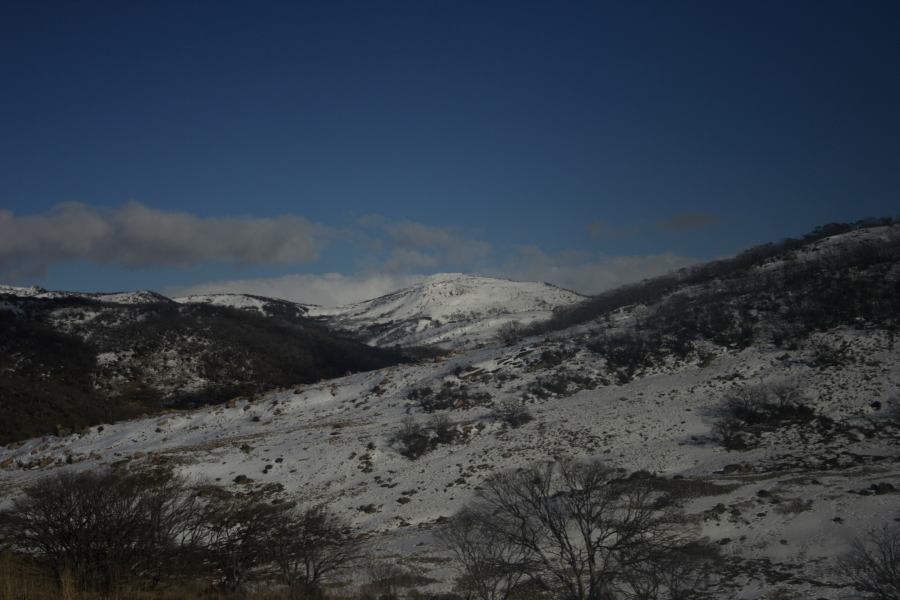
point(689, 129)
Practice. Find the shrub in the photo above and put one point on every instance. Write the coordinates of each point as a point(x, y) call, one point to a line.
point(512, 412)
point(510, 332)
point(412, 438)
point(747, 411)
point(828, 355)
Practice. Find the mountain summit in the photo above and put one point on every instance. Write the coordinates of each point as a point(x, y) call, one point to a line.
point(450, 309)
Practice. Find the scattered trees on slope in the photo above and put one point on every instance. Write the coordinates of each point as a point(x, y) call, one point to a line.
point(850, 284)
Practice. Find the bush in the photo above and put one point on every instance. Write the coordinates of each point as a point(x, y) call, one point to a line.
point(512, 412)
point(627, 354)
point(510, 332)
point(452, 395)
point(414, 439)
point(747, 411)
point(827, 355)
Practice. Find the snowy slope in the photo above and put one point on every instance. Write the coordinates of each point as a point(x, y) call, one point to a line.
point(449, 309)
point(334, 442)
point(137, 297)
point(260, 304)
point(622, 386)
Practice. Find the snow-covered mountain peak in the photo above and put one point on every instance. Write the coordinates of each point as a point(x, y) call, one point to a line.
point(449, 308)
point(22, 292)
point(136, 297)
point(261, 304)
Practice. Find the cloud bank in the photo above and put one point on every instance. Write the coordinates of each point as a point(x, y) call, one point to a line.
point(579, 272)
point(390, 254)
point(135, 235)
point(331, 289)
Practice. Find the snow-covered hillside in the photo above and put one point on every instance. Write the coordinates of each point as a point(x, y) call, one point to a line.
point(264, 306)
point(652, 377)
point(137, 297)
point(786, 506)
point(453, 310)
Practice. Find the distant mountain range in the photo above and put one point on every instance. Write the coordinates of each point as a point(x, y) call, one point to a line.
point(72, 359)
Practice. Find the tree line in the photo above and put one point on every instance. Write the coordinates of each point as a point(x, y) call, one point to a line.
point(110, 531)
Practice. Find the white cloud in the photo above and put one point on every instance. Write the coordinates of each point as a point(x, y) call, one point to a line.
point(331, 289)
point(135, 235)
point(577, 271)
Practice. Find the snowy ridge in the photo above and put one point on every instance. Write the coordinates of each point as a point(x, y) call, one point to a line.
point(137, 297)
point(260, 304)
point(451, 309)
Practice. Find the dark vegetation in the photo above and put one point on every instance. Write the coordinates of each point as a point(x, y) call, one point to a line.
point(747, 412)
point(512, 412)
point(566, 530)
point(451, 395)
point(732, 303)
point(415, 439)
point(51, 382)
point(578, 531)
point(854, 284)
point(872, 566)
point(118, 533)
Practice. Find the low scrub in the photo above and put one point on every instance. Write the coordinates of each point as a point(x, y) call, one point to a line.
point(451, 395)
point(414, 439)
point(746, 412)
point(512, 412)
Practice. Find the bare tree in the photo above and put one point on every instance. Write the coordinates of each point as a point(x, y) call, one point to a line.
point(491, 565)
point(308, 546)
point(685, 573)
point(385, 581)
point(580, 528)
point(873, 564)
point(237, 533)
point(103, 529)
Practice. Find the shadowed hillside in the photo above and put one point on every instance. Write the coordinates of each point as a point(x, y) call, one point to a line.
point(71, 362)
